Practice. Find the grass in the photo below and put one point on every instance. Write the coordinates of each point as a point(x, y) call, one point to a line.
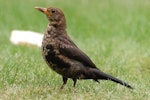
point(115, 35)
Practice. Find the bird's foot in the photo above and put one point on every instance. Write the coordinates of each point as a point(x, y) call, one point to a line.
point(61, 87)
point(74, 89)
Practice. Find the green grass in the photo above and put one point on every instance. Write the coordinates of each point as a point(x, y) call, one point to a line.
point(115, 34)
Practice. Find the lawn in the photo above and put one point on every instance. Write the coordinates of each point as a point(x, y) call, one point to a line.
point(115, 34)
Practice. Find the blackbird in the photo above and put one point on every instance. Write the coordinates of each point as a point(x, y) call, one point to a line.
point(63, 55)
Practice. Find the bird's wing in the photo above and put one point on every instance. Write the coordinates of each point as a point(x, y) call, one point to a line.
point(69, 49)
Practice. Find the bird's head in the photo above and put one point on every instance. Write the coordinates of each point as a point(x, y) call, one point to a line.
point(54, 15)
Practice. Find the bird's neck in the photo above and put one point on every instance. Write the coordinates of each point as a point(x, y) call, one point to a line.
point(56, 29)
point(59, 24)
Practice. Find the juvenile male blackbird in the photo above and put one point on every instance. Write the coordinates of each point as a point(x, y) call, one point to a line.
point(63, 56)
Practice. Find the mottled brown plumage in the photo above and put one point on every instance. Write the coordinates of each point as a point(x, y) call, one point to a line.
point(63, 56)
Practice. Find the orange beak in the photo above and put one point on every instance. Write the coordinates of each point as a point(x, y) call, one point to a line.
point(44, 10)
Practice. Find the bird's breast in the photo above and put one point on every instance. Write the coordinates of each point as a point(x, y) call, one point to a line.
point(48, 48)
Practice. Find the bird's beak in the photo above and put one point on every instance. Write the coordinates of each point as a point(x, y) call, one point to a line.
point(44, 10)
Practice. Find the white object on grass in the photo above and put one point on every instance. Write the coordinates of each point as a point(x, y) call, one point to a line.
point(26, 38)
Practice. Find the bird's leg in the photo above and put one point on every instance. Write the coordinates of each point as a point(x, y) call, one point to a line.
point(75, 81)
point(64, 82)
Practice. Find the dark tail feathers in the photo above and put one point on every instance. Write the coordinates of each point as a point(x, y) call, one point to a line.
point(104, 76)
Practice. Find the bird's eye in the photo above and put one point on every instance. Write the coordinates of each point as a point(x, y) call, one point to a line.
point(53, 11)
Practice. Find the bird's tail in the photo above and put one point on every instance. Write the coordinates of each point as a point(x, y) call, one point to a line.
point(101, 75)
